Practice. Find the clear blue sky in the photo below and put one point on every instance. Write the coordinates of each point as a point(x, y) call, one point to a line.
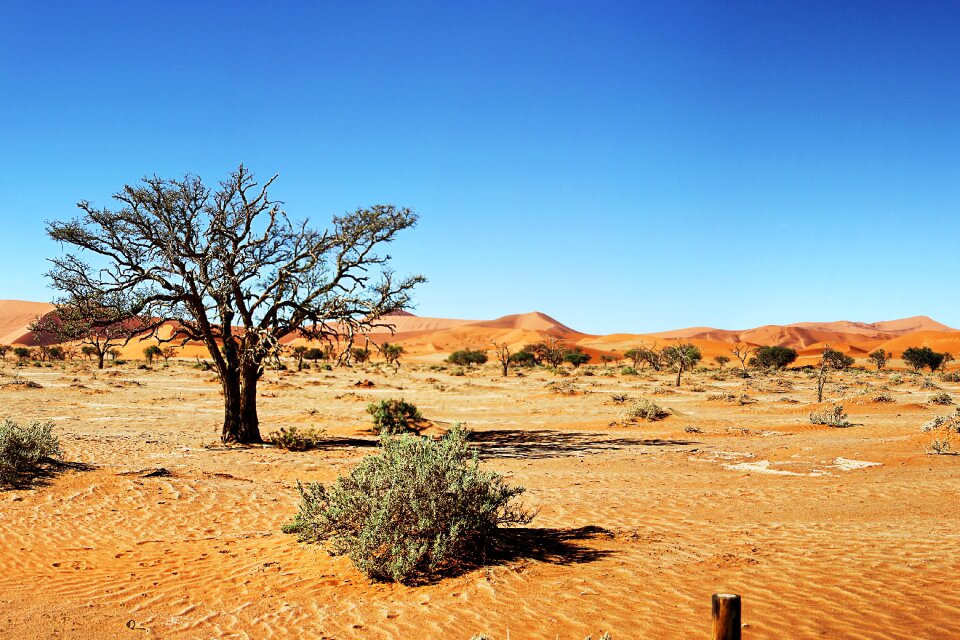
point(620, 166)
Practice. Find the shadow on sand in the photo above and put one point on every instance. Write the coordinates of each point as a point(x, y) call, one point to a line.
point(516, 443)
point(43, 474)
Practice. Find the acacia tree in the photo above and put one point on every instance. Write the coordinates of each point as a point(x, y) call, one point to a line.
point(230, 270)
point(100, 319)
point(681, 356)
point(721, 360)
point(880, 358)
point(830, 359)
point(391, 353)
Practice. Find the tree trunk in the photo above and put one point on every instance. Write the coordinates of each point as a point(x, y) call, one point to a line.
point(240, 422)
point(100, 356)
point(679, 371)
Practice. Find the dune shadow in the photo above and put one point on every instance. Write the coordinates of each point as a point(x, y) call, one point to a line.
point(42, 474)
point(548, 443)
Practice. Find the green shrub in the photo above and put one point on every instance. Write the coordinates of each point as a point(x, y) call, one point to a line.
point(394, 416)
point(832, 417)
point(417, 508)
point(628, 371)
point(24, 449)
point(953, 376)
point(775, 357)
point(295, 439)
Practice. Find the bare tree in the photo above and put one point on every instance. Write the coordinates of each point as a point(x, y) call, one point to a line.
point(742, 352)
point(502, 349)
point(231, 271)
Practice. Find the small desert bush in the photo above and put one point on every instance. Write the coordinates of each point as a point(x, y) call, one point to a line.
point(928, 383)
point(832, 417)
point(947, 423)
point(394, 416)
point(942, 398)
point(24, 449)
point(734, 398)
point(294, 439)
point(883, 396)
point(417, 508)
point(644, 410)
point(953, 376)
point(628, 371)
point(458, 371)
point(619, 398)
point(939, 446)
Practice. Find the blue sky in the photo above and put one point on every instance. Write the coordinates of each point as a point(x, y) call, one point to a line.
point(620, 166)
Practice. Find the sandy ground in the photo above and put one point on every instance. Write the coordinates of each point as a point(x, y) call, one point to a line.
point(638, 524)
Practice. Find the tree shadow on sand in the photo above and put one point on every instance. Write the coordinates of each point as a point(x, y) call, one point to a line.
point(517, 443)
point(43, 474)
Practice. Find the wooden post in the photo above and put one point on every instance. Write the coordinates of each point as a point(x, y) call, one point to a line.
point(726, 616)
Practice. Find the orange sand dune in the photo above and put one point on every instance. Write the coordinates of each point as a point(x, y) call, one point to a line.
point(432, 338)
point(16, 316)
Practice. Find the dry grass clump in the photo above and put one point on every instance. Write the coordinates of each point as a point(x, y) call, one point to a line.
point(294, 439)
point(644, 409)
point(832, 417)
point(740, 398)
point(942, 398)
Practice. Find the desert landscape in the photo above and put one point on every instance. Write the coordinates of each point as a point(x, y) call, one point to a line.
point(153, 528)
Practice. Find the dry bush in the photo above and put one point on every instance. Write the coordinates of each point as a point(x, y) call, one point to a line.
point(294, 439)
point(832, 417)
point(644, 409)
point(942, 398)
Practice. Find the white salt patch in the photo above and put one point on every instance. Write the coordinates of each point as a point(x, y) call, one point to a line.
point(845, 464)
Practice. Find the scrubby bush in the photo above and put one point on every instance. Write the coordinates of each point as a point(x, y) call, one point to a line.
point(628, 371)
point(24, 449)
point(467, 357)
point(947, 423)
point(942, 398)
point(294, 439)
point(619, 398)
point(645, 409)
point(939, 446)
point(394, 416)
point(832, 417)
point(417, 508)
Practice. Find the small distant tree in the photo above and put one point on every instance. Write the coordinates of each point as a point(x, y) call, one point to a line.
point(742, 352)
point(113, 353)
point(22, 353)
point(4, 350)
point(774, 357)
point(642, 356)
point(360, 355)
point(87, 351)
point(467, 357)
point(880, 358)
point(314, 354)
point(606, 359)
point(504, 357)
point(721, 360)
point(90, 317)
point(524, 358)
point(830, 360)
point(151, 352)
point(391, 353)
point(298, 352)
point(681, 356)
point(947, 359)
point(56, 352)
point(577, 356)
point(920, 357)
point(167, 353)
